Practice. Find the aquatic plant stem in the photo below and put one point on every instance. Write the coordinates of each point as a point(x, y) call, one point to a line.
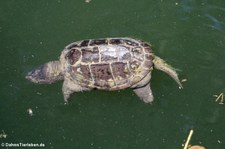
point(188, 139)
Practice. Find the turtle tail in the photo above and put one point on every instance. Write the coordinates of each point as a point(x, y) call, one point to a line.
point(160, 64)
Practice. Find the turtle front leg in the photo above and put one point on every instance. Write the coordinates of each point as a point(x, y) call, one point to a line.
point(144, 93)
point(70, 87)
point(66, 93)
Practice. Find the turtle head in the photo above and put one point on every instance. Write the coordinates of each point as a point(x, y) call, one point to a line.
point(46, 74)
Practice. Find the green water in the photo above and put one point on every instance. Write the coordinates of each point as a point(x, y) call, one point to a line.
point(188, 34)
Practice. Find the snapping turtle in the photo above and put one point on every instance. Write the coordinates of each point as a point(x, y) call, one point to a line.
point(105, 64)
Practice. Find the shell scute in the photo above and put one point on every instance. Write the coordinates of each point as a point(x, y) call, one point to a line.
point(144, 44)
point(73, 56)
point(85, 71)
point(116, 41)
point(84, 43)
point(131, 43)
point(148, 50)
point(102, 76)
point(135, 67)
point(138, 53)
point(82, 74)
point(149, 57)
point(101, 72)
point(90, 55)
point(98, 42)
point(120, 70)
point(114, 53)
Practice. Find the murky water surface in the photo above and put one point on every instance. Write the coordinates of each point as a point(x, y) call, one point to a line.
point(188, 34)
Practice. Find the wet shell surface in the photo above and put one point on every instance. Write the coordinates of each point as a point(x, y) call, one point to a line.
point(108, 63)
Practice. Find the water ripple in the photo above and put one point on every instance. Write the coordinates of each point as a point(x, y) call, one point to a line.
point(216, 24)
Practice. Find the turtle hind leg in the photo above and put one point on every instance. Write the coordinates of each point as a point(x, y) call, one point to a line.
point(144, 93)
point(160, 64)
point(143, 90)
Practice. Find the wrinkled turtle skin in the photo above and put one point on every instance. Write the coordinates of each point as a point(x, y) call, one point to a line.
point(105, 64)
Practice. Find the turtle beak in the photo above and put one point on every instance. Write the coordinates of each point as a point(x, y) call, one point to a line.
point(37, 75)
point(30, 76)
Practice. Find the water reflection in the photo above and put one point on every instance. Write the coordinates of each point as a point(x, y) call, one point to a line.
point(212, 13)
point(216, 24)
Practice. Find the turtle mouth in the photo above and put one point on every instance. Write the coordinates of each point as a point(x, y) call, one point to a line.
point(28, 77)
point(37, 76)
point(31, 77)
